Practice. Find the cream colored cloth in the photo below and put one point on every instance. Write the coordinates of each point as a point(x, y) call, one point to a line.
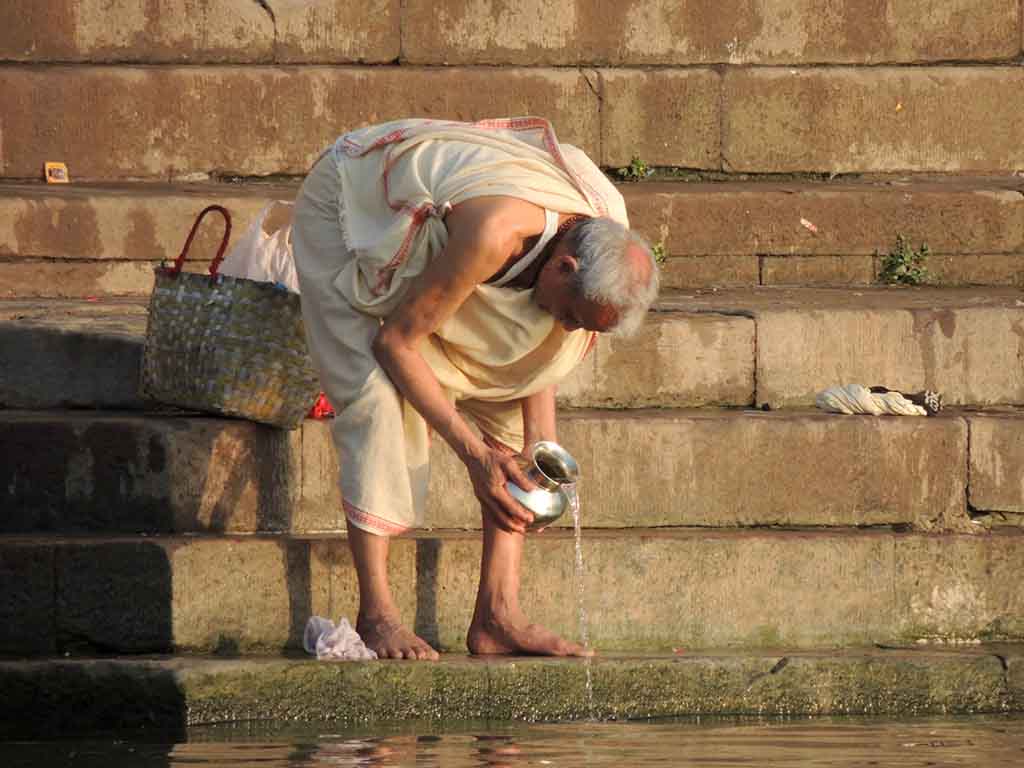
point(858, 399)
point(355, 263)
point(399, 179)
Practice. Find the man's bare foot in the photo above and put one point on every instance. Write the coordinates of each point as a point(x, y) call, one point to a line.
point(514, 634)
point(391, 640)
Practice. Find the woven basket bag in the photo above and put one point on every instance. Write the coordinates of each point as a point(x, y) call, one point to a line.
point(227, 345)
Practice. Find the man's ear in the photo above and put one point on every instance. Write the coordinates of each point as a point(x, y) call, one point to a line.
point(568, 264)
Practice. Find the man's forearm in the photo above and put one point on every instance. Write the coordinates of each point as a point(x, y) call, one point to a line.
point(412, 376)
point(539, 416)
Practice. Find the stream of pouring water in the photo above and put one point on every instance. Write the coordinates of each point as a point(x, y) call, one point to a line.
point(574, 502)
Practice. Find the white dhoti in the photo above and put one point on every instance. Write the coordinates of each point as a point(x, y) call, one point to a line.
point(497, 349)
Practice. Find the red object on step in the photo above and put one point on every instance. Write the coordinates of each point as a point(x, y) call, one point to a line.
point(321, 408)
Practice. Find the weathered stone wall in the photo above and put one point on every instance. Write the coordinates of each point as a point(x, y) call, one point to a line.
point(747, 529)
point(734, 91)
point(520, 32)
point(153, 90)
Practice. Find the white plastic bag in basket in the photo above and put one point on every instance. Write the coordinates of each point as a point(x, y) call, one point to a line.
point(264, 256)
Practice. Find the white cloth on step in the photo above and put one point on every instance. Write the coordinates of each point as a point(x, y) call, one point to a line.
point(858, 399)
point(328, 641)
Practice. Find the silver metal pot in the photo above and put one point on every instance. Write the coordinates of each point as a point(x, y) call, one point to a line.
point(552, 468)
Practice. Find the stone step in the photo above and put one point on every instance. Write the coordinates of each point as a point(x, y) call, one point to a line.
point(966, 343)
point(64, 696)
point(81, 354)
point(941, 118)
point(643, 590)
point(737, 234)
point(56, 354)
point(101, 240)
point(110, 473)
point(524, 33)
point(735, 347)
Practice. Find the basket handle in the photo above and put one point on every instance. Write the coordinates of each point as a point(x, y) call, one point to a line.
point(215, 264)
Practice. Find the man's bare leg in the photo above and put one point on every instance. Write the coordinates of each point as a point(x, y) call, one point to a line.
point(379, 623)
point(499, 625)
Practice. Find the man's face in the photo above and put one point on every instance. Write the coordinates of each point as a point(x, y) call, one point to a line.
point(556, 293)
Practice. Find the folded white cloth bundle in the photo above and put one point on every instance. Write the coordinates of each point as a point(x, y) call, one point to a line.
point(858, 399)
point(328, 641)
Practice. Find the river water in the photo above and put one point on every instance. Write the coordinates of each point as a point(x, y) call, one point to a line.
point(978, 742)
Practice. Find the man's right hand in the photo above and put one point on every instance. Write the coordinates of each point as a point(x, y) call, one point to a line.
point(489, 472)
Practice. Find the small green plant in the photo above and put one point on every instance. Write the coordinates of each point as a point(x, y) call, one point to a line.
point(637, 170)
point(904, 265)
point(658, 249)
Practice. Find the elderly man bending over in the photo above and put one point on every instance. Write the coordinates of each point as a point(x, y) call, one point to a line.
point(453, 271)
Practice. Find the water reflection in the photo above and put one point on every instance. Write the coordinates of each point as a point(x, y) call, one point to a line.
point(981, 742)
point(497, 751)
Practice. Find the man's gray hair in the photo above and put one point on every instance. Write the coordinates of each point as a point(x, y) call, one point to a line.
point(607, 276)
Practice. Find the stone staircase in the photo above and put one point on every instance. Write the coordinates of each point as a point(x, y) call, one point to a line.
point(744, 552)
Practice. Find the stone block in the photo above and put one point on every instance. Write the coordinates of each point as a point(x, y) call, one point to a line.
point(888, 683)
point(319, 508)
point(862, 681)
point(953, 217)
point(334, 572)
point(229, 31)
point(117, 474)
point(845, 120)
point(951, 589)
point(817, 270)
point(152, 475)
point(115, 597)
point(383, 692)
point(756, 590)
point(132, 222)
point(242, 596)
point(996, 482)
point(27, 592)
point(86, 242)
point(653, 32)
point(649, 469)
point(691, 591)
point(717, 471)
point(1015, 673)
point(969, 354)
point(43, 367)
point(712, 470)
point(100, 242)
point(674, 361)
point(337, 31)
point(180, 125)
point(527, 33)
point(664, 117)
point(862, 32)
point(83, 696)
point(229, 475)
point(709, 271)
point(44, 31)
point(977, 269)
point(76, 280)
point(227, 596)
point(74, 697)
point(650, 590)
